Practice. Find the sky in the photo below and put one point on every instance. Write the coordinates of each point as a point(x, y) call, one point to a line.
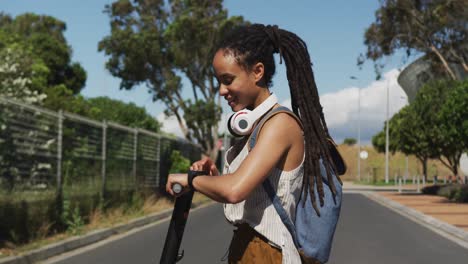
point(333, 31)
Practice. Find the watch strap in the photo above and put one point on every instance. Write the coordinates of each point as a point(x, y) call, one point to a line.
point(191, 175)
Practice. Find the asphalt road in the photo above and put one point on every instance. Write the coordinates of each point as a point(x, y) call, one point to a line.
point(367, 233)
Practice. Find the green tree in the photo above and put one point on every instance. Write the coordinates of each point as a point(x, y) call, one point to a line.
point(425, 113)
point(180, 164)
point(104, 108)
point(44, 37)
point(434, 126)
point(407, 134)
point(19, 75)
point(159, 43)
point(59, 97)
point(453, 118)
point(435, 28)
point(349, 141)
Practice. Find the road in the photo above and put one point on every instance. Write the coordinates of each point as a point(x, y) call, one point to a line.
point(367, 233)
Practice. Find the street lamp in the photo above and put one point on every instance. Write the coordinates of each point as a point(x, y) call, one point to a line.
point(359, 131)
point(387, 125)
point(406, 158)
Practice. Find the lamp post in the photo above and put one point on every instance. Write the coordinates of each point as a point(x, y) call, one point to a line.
point(387, 125)
point(406, 158)
point(359, 131)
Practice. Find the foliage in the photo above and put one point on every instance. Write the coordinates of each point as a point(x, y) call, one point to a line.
point(436, 28)
point(128, 114)
point(159, 43)
point(453, 129)
point(455, 192)
point(434, 126)
point(461, 195)
point(349, 141)
point(434, 104)
point(43, 36)
point(432, 189)
point(406, 134)
point(71, 217)
point(59, 97)
point(18, 76)
point(180, 164)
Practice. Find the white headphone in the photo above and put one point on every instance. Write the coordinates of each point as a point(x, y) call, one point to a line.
point(241, 122)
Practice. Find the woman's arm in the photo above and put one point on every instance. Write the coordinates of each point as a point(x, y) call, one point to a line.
point(278, 136)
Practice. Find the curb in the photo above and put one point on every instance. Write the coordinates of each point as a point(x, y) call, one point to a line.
point(449, 231)
point(87, 239)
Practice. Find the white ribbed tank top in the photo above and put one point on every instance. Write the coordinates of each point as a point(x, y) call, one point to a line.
point(258, 211)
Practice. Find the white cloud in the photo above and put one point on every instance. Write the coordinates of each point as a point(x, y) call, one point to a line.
point(341, 109)
point(170, 124)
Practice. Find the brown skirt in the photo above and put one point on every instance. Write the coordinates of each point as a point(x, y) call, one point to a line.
point(250, 247)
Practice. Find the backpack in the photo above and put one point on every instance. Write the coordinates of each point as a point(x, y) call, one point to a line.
point(312, 234)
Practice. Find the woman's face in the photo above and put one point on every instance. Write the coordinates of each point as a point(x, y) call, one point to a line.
point(236, 85)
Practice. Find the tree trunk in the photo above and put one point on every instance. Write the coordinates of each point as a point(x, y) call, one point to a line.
point(455, 170)
point(460, 59)
point(453, 163)
point(424, 165)
point(444, 62)
point(465, 67)
point(214, 151)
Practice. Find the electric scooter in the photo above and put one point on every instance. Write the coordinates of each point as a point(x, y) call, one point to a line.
point(170, 254)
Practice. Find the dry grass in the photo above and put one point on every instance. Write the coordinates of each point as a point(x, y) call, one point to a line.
point(98, 219)
point(156, 204)
point(44, 230)
point(375, 163)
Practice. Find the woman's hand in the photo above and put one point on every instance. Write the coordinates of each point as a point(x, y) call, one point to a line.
point(180, 179)
point(207, 165)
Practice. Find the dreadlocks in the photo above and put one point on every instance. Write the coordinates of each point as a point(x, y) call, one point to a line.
point(257, 43)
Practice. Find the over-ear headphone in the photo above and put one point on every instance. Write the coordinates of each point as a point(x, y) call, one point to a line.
point(240, 123)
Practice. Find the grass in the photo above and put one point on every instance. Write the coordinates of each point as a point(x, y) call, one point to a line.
point(98, 220)
point(377, 183)
point(375, 164)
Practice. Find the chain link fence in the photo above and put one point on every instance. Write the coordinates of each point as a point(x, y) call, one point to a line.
point(49, 157)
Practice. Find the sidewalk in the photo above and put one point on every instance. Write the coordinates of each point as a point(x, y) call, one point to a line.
point(350, 186)
point(435, 212)
point(438, 207)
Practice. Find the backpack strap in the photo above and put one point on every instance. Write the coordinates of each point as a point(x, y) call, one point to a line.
point(253, 137)
point(280, 210)
point(267, 184)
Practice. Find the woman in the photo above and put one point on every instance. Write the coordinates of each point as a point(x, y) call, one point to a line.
point(287, 150)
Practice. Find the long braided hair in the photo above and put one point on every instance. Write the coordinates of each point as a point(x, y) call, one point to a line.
point(257, 43)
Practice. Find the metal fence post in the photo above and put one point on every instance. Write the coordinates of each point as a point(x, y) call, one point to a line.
point(104, 146)
point(399, 185)
point(159, 162)
point(418, 188)
point(59, 151)
point(135, 145)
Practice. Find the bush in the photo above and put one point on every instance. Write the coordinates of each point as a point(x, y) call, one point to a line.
point(461, 194)
point(455, 192)
point(349, 141)
point(448, 191)
point(432, 189)
point(180, 164)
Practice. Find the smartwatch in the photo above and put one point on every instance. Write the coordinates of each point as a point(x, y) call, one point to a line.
point(191, 175)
